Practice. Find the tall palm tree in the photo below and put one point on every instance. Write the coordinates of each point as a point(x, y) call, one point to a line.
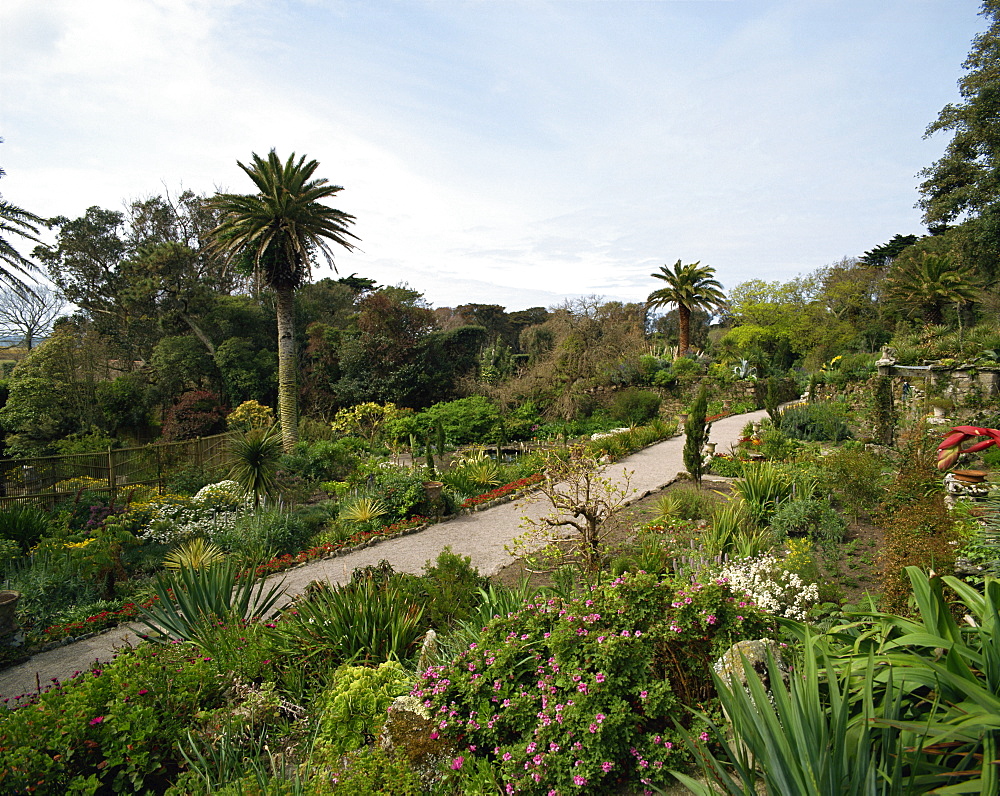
point(690, 287)
point(927, 287)
point(276, 233)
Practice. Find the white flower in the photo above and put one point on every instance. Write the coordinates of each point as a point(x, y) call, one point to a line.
point(771, 587)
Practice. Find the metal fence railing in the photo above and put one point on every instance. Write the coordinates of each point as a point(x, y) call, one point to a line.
point(114, 470)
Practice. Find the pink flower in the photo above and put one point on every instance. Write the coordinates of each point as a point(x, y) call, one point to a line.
point(704, 736)
point(96, 720)
point(579, 781)
point(457, 763)
point(606, 766)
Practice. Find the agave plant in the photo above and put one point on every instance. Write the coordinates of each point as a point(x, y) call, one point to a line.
point(474, 474)
point(195, 554)
point(363, 510)
point(190, 601)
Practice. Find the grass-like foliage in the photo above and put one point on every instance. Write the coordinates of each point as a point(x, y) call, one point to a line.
point(813, 735)
point(888, 705)
point(763, 488)
point(363, 622)
point(190, 601)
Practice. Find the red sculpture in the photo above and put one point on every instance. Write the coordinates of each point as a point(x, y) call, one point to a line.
point(951, 448)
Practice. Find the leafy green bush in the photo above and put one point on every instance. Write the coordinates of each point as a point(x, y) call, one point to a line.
point(826, 421)
point(763, 488)
point(269, 531)
point(635, 406)
point(452, 589)
point(856, 477)
point(726, 466)
point(465, 421)
point(815, 518)
point(583, 693)
point(686, 370)
point(113, 729)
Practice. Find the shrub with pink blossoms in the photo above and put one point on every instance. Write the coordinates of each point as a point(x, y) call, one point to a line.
point(580, 696)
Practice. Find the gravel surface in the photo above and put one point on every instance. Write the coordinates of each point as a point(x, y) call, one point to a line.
point(481, 535)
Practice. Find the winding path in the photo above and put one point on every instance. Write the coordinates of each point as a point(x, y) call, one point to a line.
point(481, 535)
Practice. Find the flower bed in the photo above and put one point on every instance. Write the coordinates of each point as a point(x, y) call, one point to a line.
point(502, 491)
point(130, 611)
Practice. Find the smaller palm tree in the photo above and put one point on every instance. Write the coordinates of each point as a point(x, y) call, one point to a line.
point(256, 454)
point(935, 282)
point(691, 287)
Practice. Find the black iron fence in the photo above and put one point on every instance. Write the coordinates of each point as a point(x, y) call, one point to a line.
point(117, 469)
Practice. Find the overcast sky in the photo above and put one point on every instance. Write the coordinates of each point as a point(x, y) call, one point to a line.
point(503, 152)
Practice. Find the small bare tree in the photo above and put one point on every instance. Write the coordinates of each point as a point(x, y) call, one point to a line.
point(27, 314)
point(583, 499)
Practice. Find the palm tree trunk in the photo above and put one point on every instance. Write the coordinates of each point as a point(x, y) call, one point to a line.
point(287, 367)
point(684, 324)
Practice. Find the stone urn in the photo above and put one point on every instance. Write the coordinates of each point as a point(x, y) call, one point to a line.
point(682, 419)
point(8, 606)
point(710, 448)
point(433, 490)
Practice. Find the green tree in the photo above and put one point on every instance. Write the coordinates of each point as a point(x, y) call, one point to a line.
point(696, 432)
point(690, 287)
point(928, 286)
point(965, 181)
point(52, 391)
point(276, 233)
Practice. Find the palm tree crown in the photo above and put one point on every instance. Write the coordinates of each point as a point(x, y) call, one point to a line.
point(15, 221)
point(275, 233)
point(691, 287)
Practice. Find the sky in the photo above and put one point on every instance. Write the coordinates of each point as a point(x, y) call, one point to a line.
point(502, 152)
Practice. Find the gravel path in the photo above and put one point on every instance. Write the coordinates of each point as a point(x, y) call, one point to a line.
point(481, 535)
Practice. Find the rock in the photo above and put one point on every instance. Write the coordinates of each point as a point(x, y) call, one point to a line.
point(730, 665)
point(411, 733)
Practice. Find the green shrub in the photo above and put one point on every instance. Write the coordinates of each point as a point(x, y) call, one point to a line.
point(189, 601)
point(465, 421)
point(814, 518)
point(363, 622)
point(112, 730)
point(686, 370)
point(635, 406)
point(763, 488)
point(687, 504)
point(269, 531)
point(775, 445)
point(452, 587)
point(856, 477)
point(726, 466)
point(821, 421)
